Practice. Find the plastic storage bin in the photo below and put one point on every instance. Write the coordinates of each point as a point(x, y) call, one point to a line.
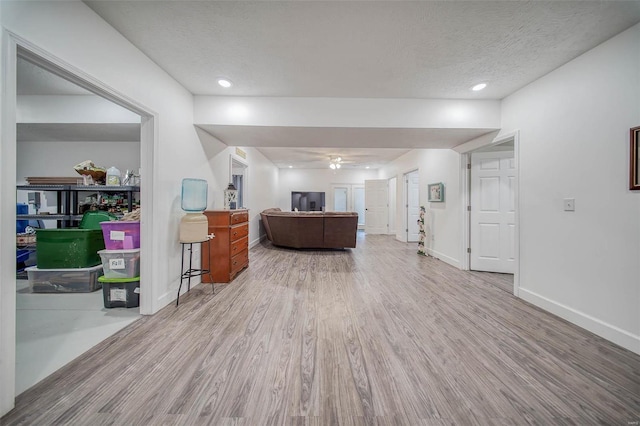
point(21, 224)
point(121, 234)
point(93, 218)
point(120, 292)
point(120, 263)
point(68, 248)
point(78, 280)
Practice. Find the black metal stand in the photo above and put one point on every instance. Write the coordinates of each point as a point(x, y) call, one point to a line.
point(189, 273)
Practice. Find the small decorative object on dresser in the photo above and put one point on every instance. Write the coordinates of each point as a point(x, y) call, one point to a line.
point(634, 153)
point(230, 197)
point(229, 251)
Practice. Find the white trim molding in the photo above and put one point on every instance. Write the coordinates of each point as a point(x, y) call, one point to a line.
point(607, 331)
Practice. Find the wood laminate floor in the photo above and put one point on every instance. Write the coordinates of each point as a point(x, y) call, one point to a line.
point(377, 335)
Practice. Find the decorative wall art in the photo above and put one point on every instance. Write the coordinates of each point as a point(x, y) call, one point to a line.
point(436, 192)
point(634, 153)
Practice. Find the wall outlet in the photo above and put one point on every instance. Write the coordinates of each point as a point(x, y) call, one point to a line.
point(569, 204)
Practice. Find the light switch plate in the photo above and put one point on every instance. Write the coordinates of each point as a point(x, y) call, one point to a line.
point(569, 204)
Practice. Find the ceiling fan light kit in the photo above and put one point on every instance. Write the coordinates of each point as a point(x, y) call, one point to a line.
point(334, 162)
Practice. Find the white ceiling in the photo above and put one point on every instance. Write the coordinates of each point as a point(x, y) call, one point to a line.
point(365, 49)
point(33, 80)
point(371, 49)
point(284, 147)
point(78, 132)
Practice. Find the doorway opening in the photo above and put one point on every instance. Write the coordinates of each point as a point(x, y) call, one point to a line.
point(491, 219)
point(349, 198)
point(21, 50)
point(48, 149)
point(239, 171)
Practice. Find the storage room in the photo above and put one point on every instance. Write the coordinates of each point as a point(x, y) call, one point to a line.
point(77, 228)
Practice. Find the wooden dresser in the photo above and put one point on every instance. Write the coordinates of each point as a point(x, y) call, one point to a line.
point(230, 247)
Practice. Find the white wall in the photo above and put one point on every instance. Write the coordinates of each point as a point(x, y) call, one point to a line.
point(442, 219)
point(346, 112)
point(75, 35)
point(7, 232)
point(316, 180)
point(58, 158)
point(574, 143)
point(71, 109)
point(262, 185)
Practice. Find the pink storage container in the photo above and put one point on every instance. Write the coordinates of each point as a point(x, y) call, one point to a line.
point(121, 235)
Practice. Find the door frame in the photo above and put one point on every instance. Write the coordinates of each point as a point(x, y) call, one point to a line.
point(13, 46)
point(393, 204)
point(235, 160)
point(405, 178)
point(350, 197)
point(465, 191)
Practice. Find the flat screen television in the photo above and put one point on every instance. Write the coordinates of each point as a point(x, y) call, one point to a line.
point(307, 201)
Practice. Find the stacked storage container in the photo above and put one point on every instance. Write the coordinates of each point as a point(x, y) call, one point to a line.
point(121, 264)
point(68, 259)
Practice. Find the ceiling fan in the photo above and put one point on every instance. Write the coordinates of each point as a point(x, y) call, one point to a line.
point(335, 162)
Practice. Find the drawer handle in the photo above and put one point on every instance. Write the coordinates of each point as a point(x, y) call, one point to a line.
point(235, 248)
point(235, 233)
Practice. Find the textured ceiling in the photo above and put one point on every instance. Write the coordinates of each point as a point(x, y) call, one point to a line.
point(375, 49)
point(349, 49)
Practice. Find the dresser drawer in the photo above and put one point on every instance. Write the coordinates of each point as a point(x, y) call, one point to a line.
point(228, 253)
point(239, 261)
point(238, 231)
point(239, 217)
point(239, 246)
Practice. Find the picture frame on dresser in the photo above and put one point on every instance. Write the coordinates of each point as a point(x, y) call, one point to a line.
point(634, 156)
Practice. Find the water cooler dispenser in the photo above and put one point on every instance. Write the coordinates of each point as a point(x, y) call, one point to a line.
point(193, 226)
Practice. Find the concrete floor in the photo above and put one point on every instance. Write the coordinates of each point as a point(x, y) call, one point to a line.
point(53, 329)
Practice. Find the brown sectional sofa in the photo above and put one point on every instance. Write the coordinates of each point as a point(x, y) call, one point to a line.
point(310, 229)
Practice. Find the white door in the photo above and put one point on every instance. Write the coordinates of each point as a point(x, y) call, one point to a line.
point(493, 212)
point(340, 197)
point(376, 208)
point(350, 198)
point(412, 182)
point(357, 197)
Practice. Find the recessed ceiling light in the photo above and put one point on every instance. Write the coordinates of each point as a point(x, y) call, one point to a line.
point(291, 167)
point(478, 87)
point(224, 83)
point(367, 167)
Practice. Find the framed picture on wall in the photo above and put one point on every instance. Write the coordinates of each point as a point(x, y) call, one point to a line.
point(634, 153)
point(436, 192)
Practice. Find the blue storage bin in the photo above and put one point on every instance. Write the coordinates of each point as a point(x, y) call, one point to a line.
point(21, 224)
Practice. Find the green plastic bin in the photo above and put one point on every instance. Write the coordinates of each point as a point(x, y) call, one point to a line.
point(92, 218)
point(68, 248)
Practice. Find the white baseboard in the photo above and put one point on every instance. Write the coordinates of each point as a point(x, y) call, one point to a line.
point(257, 241)
point(610, 332)
point(446, 259)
